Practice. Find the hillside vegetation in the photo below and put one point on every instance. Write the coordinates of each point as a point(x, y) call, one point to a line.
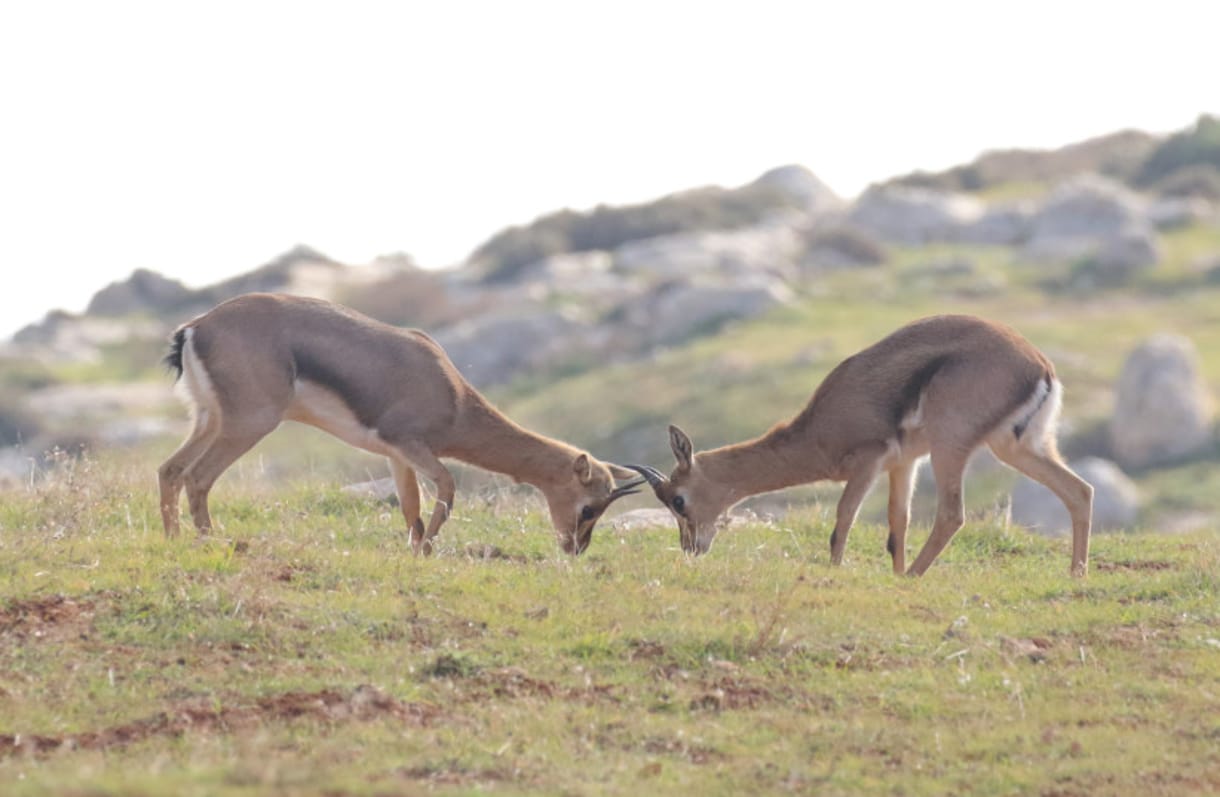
point(304, 651)
point(1187, 162)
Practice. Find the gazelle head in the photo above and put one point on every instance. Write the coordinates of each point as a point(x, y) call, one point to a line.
point(697, 502)
point(576, 503)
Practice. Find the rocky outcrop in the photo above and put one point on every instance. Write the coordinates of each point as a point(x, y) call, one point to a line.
point(300, 270)
point(679, 310)
point(143, 292)
point(79, 338)
point(770, 248)
point(811, 193)
point(911, 216)
point(1116, 501)
point(1163, 412)
point(1172, 212)
point(585, 276)
point(1095, 219)
point(1007, 224)
point(493, 348)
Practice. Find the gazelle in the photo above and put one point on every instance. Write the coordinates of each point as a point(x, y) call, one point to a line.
point(259, 359)
point(941, 386)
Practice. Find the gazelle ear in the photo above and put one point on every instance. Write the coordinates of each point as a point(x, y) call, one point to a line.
point(583, 469)
point(682, 447)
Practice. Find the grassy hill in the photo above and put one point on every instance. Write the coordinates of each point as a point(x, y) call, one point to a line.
point(306, 652)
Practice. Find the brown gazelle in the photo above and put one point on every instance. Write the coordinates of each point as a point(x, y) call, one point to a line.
point(941, 386)
point(259, 359)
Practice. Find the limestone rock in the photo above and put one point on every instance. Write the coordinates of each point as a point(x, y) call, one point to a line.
point(766, 248)
point(802, 184)
point(1001, 225)
point(1095, 218)
point(491, 349)
point(905, 215)
point(1163, 412)
point(678, 310)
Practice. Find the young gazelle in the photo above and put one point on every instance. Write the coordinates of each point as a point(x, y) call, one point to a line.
point(259, 359)
point(942, 386)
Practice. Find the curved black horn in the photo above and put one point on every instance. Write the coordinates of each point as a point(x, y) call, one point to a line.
point(654, 477)
point(625, 489)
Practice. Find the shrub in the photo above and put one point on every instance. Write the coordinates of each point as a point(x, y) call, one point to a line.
point(1200, 146)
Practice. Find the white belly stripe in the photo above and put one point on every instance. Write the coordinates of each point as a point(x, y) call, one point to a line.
point(318, 406)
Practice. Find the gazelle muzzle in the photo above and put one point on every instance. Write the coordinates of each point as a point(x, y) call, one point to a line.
point(582, 534)
point(660, 486)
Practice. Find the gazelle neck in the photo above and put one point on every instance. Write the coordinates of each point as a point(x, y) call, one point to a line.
point(487, 439)
point(783, 457)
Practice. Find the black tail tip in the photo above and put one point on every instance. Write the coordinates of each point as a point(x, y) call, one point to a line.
point(173, 360)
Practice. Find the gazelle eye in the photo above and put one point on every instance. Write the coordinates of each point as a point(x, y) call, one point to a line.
point(679, 504)
point(586, 513)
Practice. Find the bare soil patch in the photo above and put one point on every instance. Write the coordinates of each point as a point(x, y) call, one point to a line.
point(328, 705)
point(732, 693)
point(455, 774)
point(38, 617)
point(513, 682)
point(1131, 565)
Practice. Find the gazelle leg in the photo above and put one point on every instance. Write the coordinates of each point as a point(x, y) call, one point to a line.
point(948, 465)
point(423, 460)
point(171, 474)
point(1075, 493)
point(902, 485)
point(225, 449)
point(857, 487)
point(407, 487)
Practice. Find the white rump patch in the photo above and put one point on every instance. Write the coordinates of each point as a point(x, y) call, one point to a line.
point(195, 387)
point(1038, 417)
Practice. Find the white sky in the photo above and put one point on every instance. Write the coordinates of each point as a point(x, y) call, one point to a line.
point(202, 139)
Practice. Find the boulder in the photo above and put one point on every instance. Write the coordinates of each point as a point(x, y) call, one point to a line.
point(1116, 501)
point(1001, 225)
point(678, 310)
point(650, 518)
point(491, 349)
point(803, 185)
point(1093, 218)
point(1172, 212)
point(767, 248)
point(1163, 412)
point(567, 266)
point(907, 215)
point(582, 275)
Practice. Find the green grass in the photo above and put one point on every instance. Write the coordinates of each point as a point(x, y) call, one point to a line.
point(304, 651)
